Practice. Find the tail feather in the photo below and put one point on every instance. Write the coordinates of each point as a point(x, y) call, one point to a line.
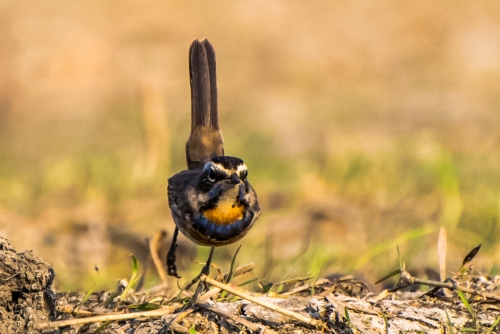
point(214, 114)
point(205, 140)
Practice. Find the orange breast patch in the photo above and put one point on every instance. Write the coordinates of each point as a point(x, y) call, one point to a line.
point(224, 213)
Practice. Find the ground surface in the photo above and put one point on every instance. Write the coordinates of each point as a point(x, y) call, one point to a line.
point(335, 305)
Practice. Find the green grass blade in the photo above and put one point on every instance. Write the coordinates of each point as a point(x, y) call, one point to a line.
point(347, 317)
point(490, 330)
point(466, 303)
point(399, 258)
point(84, 299)
point(102, 327)
point(469, 330)
point(192, 330)
point(87, 295)
point(470, 309)
point(110, 299)
point(265, 285)
point(231, 272)
point(233, 266)
point(494, 270)
point(315, 280)
point(144, 307)
point(133, 277)
point(450, 325)
point(249, 281)
point(386, 321)
point(389, 275)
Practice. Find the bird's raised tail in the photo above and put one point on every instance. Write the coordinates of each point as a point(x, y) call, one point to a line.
point(206, 139)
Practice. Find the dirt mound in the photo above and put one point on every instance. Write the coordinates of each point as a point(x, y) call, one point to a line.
point(25, 290)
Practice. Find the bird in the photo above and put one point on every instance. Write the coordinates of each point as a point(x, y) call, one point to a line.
point(212, 203)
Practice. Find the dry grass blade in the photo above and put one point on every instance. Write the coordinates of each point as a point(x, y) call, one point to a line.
point(305, 287)
point(442, 250)
point(295, 315)
point(110, 317)
point(399, 258)
point(153, 249)
point(239, 271)
point(184, 314)
point(253, 327)
point(385, 293)
point(72, 310)
point(177, 327)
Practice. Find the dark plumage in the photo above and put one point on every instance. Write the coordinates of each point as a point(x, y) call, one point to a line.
point(205, 141)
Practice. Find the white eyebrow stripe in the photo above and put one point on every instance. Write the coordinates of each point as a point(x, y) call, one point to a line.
point(241, 168)
point(221, 168)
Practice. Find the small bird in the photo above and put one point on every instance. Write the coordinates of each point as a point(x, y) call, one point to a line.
point(212, 202)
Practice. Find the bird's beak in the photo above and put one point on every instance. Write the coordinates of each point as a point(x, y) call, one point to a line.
point(234, 179)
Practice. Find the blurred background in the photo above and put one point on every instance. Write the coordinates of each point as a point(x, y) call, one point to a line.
point(365, 125)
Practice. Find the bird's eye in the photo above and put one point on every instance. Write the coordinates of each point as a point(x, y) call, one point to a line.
point(243, 174)
point(211, 174)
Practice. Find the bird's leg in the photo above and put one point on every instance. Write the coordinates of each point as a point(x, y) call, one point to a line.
point(171, 266)
point(201, 285)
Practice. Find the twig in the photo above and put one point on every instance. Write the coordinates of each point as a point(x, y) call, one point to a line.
point(73, 310)
point(253, 327)
point(410, 280)
point(8, 278)
point(238, 271)
point(103, 318)
point(295, 315)
point(209, 294)
point(83, 311)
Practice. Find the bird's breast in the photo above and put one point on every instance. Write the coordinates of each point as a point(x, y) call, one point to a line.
point(225, 212)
